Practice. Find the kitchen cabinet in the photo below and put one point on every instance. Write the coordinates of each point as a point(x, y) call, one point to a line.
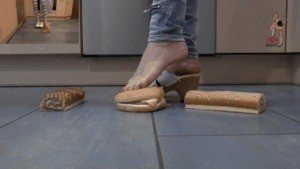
point(8, 19)
point(243, 26)
point(293, 26)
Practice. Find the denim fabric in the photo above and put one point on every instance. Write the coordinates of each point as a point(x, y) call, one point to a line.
point(175, 20)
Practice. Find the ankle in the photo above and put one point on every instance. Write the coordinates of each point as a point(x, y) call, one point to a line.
point(180, 45)
point(167, 52)
point(186, 66)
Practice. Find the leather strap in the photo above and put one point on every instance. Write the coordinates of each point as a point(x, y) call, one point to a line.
point(165, 79)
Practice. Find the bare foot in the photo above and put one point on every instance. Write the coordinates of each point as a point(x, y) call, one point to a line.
point(184, 67)
point(157, 57)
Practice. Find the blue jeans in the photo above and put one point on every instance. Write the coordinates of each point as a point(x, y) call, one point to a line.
point(175, 20)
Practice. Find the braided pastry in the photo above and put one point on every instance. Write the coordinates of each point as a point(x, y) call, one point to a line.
point(63, 99)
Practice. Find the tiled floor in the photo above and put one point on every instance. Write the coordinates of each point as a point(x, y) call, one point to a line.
point(62, 32)
point(97, 136)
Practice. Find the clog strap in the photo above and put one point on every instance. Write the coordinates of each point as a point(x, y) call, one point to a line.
point(165, 79)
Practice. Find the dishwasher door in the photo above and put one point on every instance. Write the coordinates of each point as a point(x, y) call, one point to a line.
point(114, 27)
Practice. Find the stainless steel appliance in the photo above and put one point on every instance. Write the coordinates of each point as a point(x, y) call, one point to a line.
point(114, 27)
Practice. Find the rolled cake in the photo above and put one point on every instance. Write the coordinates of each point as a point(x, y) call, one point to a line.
point(242, 102)
point(63, 99)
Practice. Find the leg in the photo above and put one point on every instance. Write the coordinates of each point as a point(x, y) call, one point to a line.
point(190, 64)
point(190, 27)
point(280, 38)
point(273, 31)
point(167, 21)
point(166, 42)
point(44, 7)
point(36, 10)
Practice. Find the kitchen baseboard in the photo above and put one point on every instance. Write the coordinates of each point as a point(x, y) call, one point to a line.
point(68, 70)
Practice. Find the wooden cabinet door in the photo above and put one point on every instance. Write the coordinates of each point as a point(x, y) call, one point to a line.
point(293, 29)
point(243, 26)
point(8, 18)
point(64, 8)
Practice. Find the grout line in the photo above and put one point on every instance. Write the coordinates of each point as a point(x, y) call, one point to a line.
point(218, 87)
point(284, 115)
point(292, 70)
point(159, 154)
point(220, 135)
point(17, 119)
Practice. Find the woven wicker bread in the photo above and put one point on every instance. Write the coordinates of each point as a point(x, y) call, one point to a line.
point(242, 102)
point(63, 99)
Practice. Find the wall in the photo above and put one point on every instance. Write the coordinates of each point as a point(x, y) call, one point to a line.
point(51, 70)
point(8, 19)
point(20, 11)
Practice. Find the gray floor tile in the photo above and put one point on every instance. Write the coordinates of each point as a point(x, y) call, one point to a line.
point(43, 42)
point(291, 112)
point(18, 36)
point(93, 135)
point(49, 37)
point(20, 42)
point(32, 35)
point(28, 29)
point(66, 29)
point(231, 152)
point(67, 37)
point(177, 121)
point(29, 24)
point(17, 102)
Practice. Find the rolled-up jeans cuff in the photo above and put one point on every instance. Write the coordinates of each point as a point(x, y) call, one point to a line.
point(171, 38)
point(193, 52)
